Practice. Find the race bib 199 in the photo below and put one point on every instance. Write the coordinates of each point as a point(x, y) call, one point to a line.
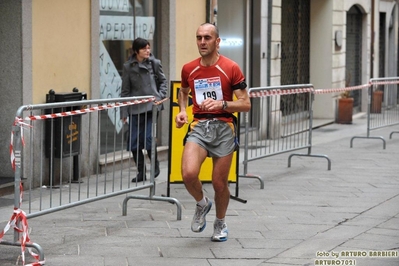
point(208, 88)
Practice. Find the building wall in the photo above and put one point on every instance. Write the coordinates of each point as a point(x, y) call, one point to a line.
point(275, 42)
point(327, 64)
point(391, 39)
point(322, 46)
point(187, 23)
point(15, 73)
point(61, 54)
point(327, 61)
point(61, 47)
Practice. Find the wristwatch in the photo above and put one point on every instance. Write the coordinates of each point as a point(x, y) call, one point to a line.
point(224, 105)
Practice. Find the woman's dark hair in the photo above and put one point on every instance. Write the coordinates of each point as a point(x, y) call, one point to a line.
point(138, 44)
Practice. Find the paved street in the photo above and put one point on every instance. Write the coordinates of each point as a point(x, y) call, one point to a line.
point(305, 215)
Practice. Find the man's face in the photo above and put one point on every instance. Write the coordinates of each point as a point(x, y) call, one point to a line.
point(206, 40)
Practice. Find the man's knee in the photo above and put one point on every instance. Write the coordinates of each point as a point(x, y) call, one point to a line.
point(189, 177)
point(219, 185)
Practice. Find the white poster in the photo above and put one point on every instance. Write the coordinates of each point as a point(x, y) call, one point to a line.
point(110, 85)
point(115, 5)
point(114, 28)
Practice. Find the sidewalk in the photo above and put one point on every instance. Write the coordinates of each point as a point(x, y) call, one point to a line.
point(305, 215)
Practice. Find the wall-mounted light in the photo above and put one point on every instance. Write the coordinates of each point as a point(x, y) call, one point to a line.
point(338, 38)
point(231, 42)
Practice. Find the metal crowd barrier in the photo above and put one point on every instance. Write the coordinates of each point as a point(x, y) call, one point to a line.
point(383, 107)
point(280, 121)
point(49, 141)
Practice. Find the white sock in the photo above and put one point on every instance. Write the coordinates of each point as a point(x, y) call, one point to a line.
point(219, 221)
point(202, 202)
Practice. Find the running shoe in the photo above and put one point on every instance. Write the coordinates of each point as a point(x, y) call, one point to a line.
point(220, 232)
point(199, 222)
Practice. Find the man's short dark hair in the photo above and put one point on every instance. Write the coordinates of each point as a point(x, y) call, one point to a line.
point(216, 28)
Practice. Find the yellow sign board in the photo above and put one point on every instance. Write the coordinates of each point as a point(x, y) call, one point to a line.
point(176, 144)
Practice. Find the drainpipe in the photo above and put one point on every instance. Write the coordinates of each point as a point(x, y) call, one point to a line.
point(372, 39)
point(269, 40)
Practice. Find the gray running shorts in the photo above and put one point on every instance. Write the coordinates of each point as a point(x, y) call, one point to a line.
point(215, 136)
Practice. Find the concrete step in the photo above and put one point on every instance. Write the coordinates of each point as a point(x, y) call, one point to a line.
point(123, 159)
point(6, 186)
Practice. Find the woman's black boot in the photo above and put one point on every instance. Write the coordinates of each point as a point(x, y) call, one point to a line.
point(138, 157)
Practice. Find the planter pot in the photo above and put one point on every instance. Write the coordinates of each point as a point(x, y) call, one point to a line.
point(376, 102)
point(345, 111)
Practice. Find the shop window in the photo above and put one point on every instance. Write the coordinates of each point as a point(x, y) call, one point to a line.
point(121, 21)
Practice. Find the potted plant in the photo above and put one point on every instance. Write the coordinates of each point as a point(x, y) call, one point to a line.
point(345, 108)
point(376, 100)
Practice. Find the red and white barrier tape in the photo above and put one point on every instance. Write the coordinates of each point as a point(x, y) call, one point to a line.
point(12, 155)
point(88, 110)
point(320, 91)
point(387, 82)
point(19, 218)
point(263, 93)
point(266, 92)
point(17, 122)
